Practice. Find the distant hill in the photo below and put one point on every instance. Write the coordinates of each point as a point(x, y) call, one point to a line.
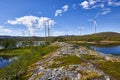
point(103, 36)
point(4, 36)
point(108, 36)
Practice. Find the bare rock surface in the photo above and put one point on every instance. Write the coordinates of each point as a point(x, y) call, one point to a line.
point(42, 71)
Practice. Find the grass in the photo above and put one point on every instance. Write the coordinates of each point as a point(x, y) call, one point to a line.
point(91, 57)
point(111, 68)
point(27, 56)
point(66, 60)
point(88, 75)
point(108, 67)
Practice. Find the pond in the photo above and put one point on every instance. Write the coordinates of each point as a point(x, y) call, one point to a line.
point(5, 61)
point(115, 49)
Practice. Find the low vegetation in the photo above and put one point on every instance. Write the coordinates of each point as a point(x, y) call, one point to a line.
point(26, 57)
point(65, 61)
point(108, 67)
point(111, 68)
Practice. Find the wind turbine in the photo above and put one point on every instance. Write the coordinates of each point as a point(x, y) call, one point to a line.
point(23, 33)
point(81, 28)
point(29, 33)
point(94, 20)
point(48, 25)
point(95, 25)
point(45, 25)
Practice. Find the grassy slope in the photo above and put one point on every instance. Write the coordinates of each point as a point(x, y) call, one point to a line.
point(27, 56)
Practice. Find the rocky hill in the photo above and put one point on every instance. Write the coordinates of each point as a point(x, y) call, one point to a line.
point(72, 62)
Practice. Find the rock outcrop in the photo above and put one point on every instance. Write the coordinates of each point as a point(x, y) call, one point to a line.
point(86, 70)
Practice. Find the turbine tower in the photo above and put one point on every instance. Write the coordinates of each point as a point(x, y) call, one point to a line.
point(45, 30)
point(29, 33)
point(23, 33)
point(95, 25)
point(81, 28)
point(94, 20)
point(48, 22)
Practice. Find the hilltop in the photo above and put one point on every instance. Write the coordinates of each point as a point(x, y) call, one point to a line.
point(72, 62)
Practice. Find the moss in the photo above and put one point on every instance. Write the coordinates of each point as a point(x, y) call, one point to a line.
point(91, 57)
point(66, 60)
point(111, 68)
point(88, 75)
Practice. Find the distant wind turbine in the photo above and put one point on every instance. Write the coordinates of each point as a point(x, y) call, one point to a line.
point(29, 33)
point(23, 33)
point(81, 28)
point(94, 22)
point(48, 24)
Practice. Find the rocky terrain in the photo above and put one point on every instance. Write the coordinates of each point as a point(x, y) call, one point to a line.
point(71, 62)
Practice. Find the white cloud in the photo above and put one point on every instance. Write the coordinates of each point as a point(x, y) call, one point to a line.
point(91, 4)
point(113, 3)
point(106, 11)
point(65, 8)
point(85, 4)
point(28, 21)
point(44, 21)
point(6, 30)
point(32, 22)
point(60, 11)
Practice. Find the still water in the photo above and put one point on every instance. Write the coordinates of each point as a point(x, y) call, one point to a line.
point(6, 61)
point(115, 50)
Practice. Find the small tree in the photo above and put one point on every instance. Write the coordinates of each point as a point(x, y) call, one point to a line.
point(9, 43)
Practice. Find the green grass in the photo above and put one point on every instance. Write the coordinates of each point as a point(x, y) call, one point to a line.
point(91, 57)
point(66, 60)
point(27, 56)
point(111, 68)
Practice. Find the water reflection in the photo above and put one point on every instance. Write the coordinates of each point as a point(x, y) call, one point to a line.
point(4, 61)
point(107, 49)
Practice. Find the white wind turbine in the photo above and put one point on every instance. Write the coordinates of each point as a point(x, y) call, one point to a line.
point(81, 28)
point(94, 22)
point(23, 33)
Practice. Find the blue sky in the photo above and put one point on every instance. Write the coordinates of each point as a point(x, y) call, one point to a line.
point(24, 17)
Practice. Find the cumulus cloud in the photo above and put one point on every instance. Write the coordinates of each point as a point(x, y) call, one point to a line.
point(32, 22)
point(6, 30)
point(85, 4)
point(91, 4)
point(60, 11)
point(65, 8)
point(44, 21)
point(113, 3)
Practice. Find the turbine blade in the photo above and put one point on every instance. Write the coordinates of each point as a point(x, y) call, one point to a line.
point(90, 19)
point(96, 15)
